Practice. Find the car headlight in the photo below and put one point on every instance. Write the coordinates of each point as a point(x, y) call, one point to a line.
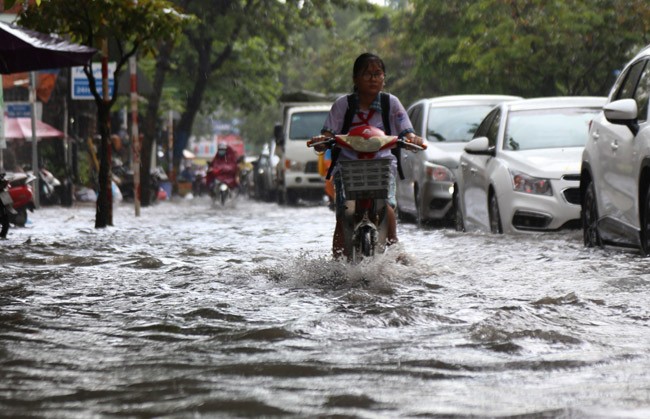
point(521, 182)
point(293, 165)
point(438, 173)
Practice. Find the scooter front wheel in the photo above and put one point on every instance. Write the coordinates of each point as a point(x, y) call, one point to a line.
point(365, 241)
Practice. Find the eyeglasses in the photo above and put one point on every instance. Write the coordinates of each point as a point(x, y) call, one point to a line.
point(370, 76)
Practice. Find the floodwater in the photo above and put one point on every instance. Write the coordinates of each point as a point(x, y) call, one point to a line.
point(196, 311)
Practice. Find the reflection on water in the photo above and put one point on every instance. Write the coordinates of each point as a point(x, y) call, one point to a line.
point(193, 310)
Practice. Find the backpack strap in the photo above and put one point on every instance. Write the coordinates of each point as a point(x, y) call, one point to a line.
point(385, 116)
point(385, 111)
point(349, 114)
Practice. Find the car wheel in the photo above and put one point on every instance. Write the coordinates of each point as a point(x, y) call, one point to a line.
point(590, 234)
point(645, 223)
point(495, 216)
point(459, 223)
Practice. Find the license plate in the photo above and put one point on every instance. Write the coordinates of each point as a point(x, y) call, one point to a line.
point(6, 198)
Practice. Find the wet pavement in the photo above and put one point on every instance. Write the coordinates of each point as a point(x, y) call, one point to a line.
point(192, 310)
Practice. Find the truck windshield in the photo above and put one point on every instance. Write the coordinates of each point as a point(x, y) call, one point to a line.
point(305, 125)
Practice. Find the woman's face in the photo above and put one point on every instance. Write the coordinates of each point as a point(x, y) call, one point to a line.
point(371, 80)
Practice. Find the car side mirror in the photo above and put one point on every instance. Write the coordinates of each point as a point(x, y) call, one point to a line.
point(623, 112)
point(277, 133)
point(480, 146)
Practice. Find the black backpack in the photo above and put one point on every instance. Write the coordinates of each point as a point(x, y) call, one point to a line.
point(347, 123)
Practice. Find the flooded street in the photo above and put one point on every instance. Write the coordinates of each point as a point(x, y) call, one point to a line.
point(195, 311)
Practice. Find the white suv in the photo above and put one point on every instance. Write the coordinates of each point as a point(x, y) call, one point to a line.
point(615, 177)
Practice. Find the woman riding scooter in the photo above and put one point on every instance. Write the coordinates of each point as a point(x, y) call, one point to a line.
point(367, 105)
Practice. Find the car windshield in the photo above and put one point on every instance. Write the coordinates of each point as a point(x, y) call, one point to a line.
point(455, 123)
point(548, 128)
point(305, 125)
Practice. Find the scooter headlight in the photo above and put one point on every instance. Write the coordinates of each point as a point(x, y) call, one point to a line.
point(223, 187)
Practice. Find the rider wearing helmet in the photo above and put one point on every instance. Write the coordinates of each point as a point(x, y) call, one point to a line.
point(368, 76)
point(223, 167)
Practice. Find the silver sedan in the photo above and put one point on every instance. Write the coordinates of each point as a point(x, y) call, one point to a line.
point(521, 172)
point(448, 123)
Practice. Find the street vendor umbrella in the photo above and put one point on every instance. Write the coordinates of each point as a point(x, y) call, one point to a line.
point(26, 50)
point(22, 128)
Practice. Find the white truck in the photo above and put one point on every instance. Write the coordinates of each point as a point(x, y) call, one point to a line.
point(298, 177)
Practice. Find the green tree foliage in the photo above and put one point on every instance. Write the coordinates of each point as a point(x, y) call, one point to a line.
point(231, 56)
point(525, 47)
point(429, 33)
point(127, 27)
point(321, 60)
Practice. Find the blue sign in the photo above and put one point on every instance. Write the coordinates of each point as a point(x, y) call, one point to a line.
point(18, 109)
point(81, 84)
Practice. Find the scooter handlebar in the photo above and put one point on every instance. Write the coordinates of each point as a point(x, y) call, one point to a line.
point(412, 147)
point(328, 142)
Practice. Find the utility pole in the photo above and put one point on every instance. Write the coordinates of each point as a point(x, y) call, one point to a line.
point(35, 168)
point(135, 136)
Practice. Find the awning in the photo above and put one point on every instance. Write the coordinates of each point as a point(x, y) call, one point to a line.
point(26, 50)
point(22, 128)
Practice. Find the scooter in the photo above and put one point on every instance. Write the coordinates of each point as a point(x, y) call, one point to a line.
point(123, 177)
point(366, 182)
point(22, 194)
point(6, 206)
point(16, 196)
point(49, 187)
point(221, 184)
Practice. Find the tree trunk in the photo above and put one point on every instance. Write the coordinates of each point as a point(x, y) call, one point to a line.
point(192, 105)
point(104, 214)
point(151, 119)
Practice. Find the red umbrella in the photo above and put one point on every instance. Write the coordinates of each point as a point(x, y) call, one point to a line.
point(22, 128)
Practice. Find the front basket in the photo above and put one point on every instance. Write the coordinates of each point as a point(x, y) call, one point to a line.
point(366, 179)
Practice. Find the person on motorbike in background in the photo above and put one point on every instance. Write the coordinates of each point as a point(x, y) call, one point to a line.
point(223, 167)
point(368, 74)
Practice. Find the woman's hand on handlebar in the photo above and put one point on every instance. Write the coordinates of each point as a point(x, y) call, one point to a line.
point(413, 139)
point(319, 142)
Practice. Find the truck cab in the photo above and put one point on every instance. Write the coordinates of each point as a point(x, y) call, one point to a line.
point(298, 177)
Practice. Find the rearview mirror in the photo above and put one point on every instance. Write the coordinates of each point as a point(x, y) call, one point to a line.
point(480, 146)
point(623, 112)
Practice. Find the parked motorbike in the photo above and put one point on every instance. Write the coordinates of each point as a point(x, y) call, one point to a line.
point(22, 193)
point(123, 177)
point(366, 184)
point(16, 198)
point(49, 188)
point(6, 206)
